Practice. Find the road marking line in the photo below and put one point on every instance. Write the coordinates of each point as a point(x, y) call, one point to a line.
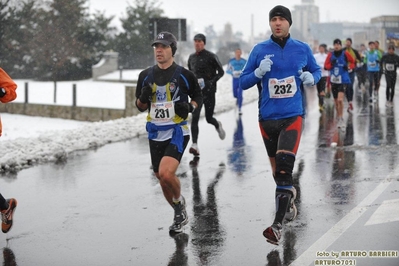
point(309, 256)
point(387, 212)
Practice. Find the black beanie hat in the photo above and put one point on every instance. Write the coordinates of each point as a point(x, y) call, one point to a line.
point(200, 37)
point(281, 11)
point(337, 41)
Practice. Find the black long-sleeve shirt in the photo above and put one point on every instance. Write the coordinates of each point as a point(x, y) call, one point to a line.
point(206, 65)
point(389, 63)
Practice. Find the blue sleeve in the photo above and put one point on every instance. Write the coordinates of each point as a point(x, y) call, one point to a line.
point(248, 78)
point(229, 69)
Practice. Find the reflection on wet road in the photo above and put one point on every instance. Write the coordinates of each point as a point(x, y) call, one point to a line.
point(105, 207)
point(207, 234)
point(238, 153)
point(358, 165)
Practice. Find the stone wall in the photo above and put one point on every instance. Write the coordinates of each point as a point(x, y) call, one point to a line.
point(91, 114)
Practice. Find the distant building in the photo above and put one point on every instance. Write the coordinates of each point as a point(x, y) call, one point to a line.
point(303, 17)
point(306, 27)
point(327, 32)
point(386, 30)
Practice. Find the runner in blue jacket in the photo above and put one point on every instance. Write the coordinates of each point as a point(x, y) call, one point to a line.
point(281, 67)
point(234, 68)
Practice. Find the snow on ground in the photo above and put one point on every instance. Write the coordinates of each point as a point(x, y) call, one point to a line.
point(28, 140)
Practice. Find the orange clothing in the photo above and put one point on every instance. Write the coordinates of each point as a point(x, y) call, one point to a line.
point(348, 58)
point(9, 86)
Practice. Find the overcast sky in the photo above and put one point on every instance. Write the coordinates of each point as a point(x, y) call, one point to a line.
point(202, 13)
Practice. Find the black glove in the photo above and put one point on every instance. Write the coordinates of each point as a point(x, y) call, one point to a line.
point(182, 109)
point(146, 94)
point(345, 68)
point(333, 61)
point(2, 92)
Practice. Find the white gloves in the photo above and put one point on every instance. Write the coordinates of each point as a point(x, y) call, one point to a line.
point(307, 78)
point(236, 74)
point(264, 66)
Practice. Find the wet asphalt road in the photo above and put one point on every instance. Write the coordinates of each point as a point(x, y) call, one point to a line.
point(104, 206)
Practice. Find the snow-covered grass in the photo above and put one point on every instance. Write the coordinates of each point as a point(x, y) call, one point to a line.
point(28, 140)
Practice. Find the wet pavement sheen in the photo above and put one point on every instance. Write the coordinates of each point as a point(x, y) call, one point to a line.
point(105, 207)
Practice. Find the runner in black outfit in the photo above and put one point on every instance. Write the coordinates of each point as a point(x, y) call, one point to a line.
point(388, 65)
point(208, 69)
point(164, 91)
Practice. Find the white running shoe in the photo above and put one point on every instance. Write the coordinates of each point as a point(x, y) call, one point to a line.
point(221, 132)
point(389, 104)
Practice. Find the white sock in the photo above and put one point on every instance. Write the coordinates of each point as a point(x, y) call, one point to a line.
point(177, 200)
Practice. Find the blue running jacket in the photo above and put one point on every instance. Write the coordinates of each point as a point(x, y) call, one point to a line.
point(281, 91)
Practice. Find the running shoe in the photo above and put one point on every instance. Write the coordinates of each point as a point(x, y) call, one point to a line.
point(194, 150)
point(7, 215)
point(273, 233)
point(221, 132)
point(292, 211)
point(389, 104)
point(181, 218)
point(321, 108)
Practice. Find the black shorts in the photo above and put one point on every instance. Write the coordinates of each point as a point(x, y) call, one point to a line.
point(336, 88)
point(283, 134)
point(159, 149)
